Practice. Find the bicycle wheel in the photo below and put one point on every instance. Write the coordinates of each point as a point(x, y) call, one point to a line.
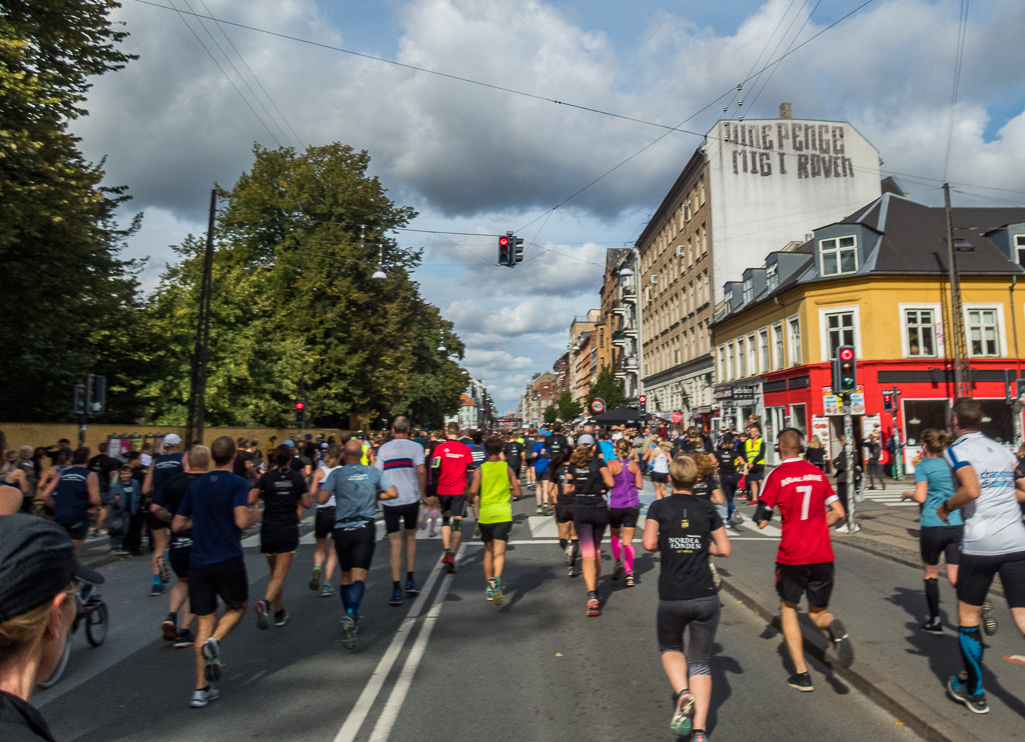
point(61, 664)
point(96, 624)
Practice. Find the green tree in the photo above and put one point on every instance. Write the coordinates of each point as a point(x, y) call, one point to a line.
point(69, 301)
point(607, 388)
point(551, 414)
point(567, 408)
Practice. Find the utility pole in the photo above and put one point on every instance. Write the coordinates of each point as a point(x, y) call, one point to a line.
point(962, 372)
point(898, 447)
point(200, 355)
point(848, 445)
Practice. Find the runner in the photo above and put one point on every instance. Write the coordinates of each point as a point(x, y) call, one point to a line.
point(658, 461)
point(685, 530)
point(994, 541)
point(324, 524)
point(176, 626)
point(605, 446)
point(163, 469)
point(73, 494)
point(564, 511)
point(804, 561)
point(216, 508)
point(933, 486)
point(494, 482)
point(61, 461)
point(356, 489)
point(624, 508)
point(707, 488)
point(541, 463)
point(590, 478)
point(729, 477)
point(754, 454)
point(513, 451)
point(403, 461)
point(450, 462)
point(282, 490)
point(531, 454)
point(104, 467)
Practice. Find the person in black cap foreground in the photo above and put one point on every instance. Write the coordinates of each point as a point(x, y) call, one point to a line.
point(38, 580)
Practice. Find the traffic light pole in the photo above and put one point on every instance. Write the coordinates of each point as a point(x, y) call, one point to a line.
point(898, 446)
point(848, 439)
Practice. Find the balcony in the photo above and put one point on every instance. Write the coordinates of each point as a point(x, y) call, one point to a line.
point(629, 364)
point(629, 294)
point(619, 309)
point(619, 338)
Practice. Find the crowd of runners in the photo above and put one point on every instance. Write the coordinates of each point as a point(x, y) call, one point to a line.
point(198, 504)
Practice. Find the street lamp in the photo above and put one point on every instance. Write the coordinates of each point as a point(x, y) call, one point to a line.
point(379, 274)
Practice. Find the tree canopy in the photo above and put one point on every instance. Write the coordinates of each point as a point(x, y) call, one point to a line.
point(607, 388)
point(567, 408)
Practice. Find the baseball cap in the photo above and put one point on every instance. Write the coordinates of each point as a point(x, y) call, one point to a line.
point(172, 439)
point(585, 440)
point(37, 561)
point(309, 436)
point(289, 444)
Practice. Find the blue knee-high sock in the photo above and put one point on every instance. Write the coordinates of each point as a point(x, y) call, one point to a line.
point(344, 594)
point(356, 592)
point(970, 642)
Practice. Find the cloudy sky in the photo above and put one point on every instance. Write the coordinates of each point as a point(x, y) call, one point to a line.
point(471, 158)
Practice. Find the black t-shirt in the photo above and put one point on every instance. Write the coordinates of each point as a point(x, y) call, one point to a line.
point(20, 721)
point(299, 463)
point(588, 485)
point(239, 467)
point(171, 496)
point(165, 468)
point(513, 453)
point(557, 475)
point(706, 487)
point(557, 445)
point(103, 465)
point(727, 460)
point(685, 524)
point(280, 490)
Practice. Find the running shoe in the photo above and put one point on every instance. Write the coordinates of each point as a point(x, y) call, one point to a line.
point(163, 569)
point(801, 681)
point(617, 572)
point(156, 589)
point(933, 626)
point(838, 635)
point(476, 531)
point(411, 589)
point(450, 563)
point(496, 590)
point(958, 690)
point(262, 609)
point(280, 618)
point(184, 639)
point(629, 581)
point(573, 570)
point(569, 554)
point(348, 631)
point(327, 591)
point(489, 592)
point(539, 511)
point(593, 609)
point(201, 698)
point(315, 579)
point(422, 525)
point(843, 529)
point(699, 735)
point(432, 534)
point(683, 710)
point(211, 652)
point(396, 598)
point(989, 621)
point(548, 509)
point(170, 628)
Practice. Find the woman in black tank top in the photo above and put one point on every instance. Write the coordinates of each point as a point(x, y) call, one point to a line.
point(590, 479)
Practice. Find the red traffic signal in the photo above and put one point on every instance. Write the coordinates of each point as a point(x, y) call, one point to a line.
point(503, 241)
point(300, 406)
point(642, 399)
point(846, 353)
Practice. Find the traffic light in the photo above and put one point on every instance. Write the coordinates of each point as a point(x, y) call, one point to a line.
point(845, 375)
point(78, 400)
point(505, 251)
point(888, 401)
point(96, 394)
point(300, 413)
point(517, 245)
point(642, 403)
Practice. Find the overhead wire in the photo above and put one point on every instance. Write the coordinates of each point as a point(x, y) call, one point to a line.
point(958, 59)
point(796, 37)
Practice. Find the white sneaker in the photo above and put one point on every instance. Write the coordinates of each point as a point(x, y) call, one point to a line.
point(843, 529)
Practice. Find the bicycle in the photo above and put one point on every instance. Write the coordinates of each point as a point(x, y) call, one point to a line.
point(93, 611)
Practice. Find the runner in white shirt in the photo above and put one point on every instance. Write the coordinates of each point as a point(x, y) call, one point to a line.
point(324, 523)
point(402, 460)
point(994, 540)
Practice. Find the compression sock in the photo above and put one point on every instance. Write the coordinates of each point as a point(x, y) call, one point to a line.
point(356, 592)
point(970, 642)
point(576, 551)
point(395, 585)
point(435, 514)
point(409, 576)
point(628, 559)
point(563, 542)
point(592, 594)
point(615, 548)
point(344, 594)
point(932, 596)
point(156, 580)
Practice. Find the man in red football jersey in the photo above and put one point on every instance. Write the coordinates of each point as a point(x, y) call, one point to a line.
point(804, 563)
point(449, 464)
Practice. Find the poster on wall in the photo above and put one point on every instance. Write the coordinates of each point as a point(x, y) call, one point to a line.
point(871, 424)
point(831, 402)
point(820, 429)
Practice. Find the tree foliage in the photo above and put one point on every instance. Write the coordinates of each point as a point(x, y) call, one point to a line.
point(567, 408)
point(298, 238)
point(607, 388)
point(550, 414)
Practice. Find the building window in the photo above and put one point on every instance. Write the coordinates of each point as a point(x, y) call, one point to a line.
point(722, 362)
point(763, 349)
point(749, 289)
point(752, 355)
point(701, 191)
point(777, 337)
point(982, 332)
point(1019, 245)
point(794, 331)
point(921, 332)
point(922, 414)
point(772, 276)
point(730, 367)
point(741, 359)
point(601, 337)
point(839, 331)
point(838, 255)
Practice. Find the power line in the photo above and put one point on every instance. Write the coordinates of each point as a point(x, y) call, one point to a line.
point(796, 37)
point(958, 59)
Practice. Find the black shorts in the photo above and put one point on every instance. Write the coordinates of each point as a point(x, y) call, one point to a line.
point(279, 539)
point(516, 469)
point(756, 474)
point(179, 560)
point(226, 579)
point(662, 477)
point(354, 545)
point(624, 517)
point(976, 575)
point(452, 505)
point(77, 531)
point(405, 514)
point(596, 518)
point(813, 580)
point(324, 522)
point(564, 512)
point(541, 476)
point(936, 540)
point(495, 531)
point(156, 523)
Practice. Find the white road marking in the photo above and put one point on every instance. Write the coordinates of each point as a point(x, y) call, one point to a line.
point(543, 526)
point(769, 530)
point(373, 687)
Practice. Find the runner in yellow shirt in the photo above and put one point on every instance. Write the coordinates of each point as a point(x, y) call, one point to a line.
point(494, 482)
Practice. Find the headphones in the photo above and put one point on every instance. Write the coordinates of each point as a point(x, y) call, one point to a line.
point(800, 435)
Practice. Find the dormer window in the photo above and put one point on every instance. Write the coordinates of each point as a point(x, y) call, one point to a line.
point(772, 276)
point(749, 289)
point(838, 255)
point(1019, 247)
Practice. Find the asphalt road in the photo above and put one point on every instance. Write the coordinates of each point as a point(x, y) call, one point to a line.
point(450, 666)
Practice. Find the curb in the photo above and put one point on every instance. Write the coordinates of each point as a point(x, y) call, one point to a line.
point(912, 712)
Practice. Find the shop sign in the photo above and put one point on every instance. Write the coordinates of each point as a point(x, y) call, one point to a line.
point(831, 403)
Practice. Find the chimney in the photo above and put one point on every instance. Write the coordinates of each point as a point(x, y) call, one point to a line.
point(784, 110)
